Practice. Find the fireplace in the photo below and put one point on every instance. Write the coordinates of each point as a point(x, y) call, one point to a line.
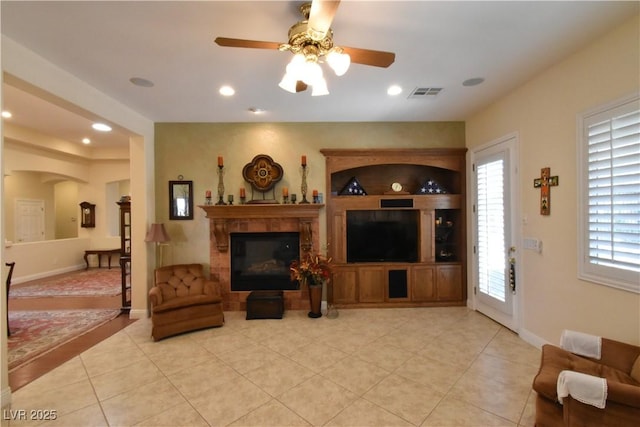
point(260, 261)
point(226, 221)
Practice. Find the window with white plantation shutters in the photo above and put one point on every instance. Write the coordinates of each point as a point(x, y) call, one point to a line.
point(610, 202)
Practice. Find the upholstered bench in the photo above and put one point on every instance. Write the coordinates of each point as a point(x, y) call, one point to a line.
point(265, 305)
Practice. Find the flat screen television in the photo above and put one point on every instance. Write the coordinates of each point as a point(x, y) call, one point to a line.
point(383, 235)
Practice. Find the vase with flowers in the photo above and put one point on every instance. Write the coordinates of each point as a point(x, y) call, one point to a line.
point(312, 270)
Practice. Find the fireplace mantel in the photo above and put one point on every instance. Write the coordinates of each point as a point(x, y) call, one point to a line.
point(310, 210)
point(220, 215)
point(247, 218)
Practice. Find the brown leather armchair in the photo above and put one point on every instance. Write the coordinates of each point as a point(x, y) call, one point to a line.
point(183, 300)
point(618, 365)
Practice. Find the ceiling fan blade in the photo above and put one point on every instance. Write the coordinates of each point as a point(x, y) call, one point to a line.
point(377, 58)
point(301, 86)
point(321, 17)
point(253, 44)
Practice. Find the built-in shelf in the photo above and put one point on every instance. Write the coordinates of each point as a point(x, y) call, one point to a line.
point(438, 276)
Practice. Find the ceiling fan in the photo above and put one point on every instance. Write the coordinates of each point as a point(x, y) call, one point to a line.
point(311, 42)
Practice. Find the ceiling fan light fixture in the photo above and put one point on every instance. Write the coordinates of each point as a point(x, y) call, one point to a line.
point(338, 61)
point(296, 67)
point(288, 83)
point(312, 74)
point(320, 88)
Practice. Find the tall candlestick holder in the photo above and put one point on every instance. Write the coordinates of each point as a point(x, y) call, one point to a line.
point(303, 186)
point(220, 186)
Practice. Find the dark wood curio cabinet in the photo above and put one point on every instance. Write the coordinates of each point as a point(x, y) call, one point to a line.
point(125, 252)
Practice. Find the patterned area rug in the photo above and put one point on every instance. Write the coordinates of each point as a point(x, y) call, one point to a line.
point(83, 283)
point(34, 333)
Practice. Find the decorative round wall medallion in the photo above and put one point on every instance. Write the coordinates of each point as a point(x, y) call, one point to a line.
point(396, 186)
point(262, 173)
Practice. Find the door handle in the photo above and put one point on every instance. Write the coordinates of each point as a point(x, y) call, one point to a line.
point(512, 269)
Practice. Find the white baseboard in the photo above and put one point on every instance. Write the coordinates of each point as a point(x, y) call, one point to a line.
point(5, 398)
point(22, 279)
point(531, 338)
point(138, 314)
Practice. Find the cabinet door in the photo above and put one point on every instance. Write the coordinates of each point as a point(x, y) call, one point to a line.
point(371, 284)
point(344, 286)
point(423, 286)
point(449, 282)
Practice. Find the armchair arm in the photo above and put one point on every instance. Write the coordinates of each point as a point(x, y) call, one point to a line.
point(155, 295)
point(625, 394)
point(585, 388)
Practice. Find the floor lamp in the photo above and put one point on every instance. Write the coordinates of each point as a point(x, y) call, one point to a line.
point(158, 235)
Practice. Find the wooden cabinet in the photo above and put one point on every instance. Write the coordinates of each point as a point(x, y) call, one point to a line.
point(449, 279)
point(346, 292)
point(125, 252)
point(412, 250)
point(371, 283)
point(423, 283)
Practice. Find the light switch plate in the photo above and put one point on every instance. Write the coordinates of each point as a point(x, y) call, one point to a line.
point(532, 244)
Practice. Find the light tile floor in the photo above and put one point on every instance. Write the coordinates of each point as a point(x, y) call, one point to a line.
point(368, 367)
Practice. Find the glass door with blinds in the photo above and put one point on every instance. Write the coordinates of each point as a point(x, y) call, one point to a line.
point(495, 278)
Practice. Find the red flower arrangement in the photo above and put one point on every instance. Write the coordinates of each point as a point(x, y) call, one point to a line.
point(313, 269)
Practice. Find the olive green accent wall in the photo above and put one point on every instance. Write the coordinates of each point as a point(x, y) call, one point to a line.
point(192, 150)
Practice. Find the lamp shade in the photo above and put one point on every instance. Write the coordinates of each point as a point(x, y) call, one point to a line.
point(157, 234)
point(320, 88)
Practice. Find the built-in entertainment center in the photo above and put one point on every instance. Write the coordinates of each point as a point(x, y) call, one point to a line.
point(396, 227)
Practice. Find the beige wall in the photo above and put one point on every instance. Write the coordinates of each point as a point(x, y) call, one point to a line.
point(192, 149)
point(67, 211)
point(543, 112)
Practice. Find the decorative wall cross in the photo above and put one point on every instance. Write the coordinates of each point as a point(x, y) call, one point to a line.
point(544, 183)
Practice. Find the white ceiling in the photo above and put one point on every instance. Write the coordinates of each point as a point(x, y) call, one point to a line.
point(437, 44)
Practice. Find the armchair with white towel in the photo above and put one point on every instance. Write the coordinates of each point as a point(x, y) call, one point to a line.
point(588, 381)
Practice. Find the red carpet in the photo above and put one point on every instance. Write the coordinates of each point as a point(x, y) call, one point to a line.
point(85, 283)
point(34, 333)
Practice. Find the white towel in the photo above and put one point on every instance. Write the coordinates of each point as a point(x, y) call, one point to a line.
point(582, 387)
point(581, 344)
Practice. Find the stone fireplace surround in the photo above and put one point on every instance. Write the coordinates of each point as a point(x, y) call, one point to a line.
point(255, 218)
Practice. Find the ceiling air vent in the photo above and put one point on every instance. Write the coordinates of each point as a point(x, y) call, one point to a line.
point(425, 92)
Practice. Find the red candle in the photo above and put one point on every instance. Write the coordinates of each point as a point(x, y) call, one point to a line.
point(242, 193)
point(304, 160)
point(220, 161)
point(285, 192)
point(207, 194)
point(315, 193)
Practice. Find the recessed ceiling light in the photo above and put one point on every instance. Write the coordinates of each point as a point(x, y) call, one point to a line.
point(394, 90)
point(142, 82)
point(86, 141)
point(227, 91)
point(6, 114)
point(101, 127)
point(473, 82)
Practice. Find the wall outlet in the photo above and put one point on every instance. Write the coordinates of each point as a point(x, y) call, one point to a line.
point(532, 244)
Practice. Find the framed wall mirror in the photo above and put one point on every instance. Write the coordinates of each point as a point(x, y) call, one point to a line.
point(180, 200)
